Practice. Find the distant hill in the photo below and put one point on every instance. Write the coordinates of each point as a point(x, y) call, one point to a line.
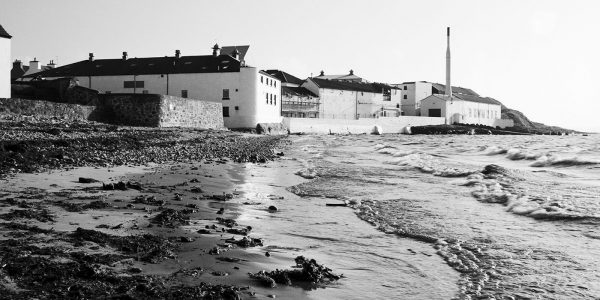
point(522, 123)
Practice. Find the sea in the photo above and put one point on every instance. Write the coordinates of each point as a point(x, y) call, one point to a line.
point(436, 216)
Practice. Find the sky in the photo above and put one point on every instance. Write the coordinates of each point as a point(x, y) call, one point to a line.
point(539, 57)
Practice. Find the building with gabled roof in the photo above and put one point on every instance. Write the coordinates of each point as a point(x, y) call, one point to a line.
point(5, 67)
point(286, 79)
point(343, 77)
point(354, 100)
point(19, 71)
point(248, 96)
point(415, 91)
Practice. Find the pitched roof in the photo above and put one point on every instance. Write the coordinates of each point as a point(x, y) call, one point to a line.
point(340, 77)
point(297, 91)
point(352, 86)
point(146, 65)
point(469, 98)
point(284, 76)
point(4, 34)
point(228, 50)
point(455, 89)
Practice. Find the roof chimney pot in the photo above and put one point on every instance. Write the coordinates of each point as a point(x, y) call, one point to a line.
point(124, 55)
point(216, 50)
point(91, 58)
point(322, 73)
point(351, 72)
point(177, 53)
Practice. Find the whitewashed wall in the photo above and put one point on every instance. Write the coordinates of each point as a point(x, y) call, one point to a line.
point(325, 126)
point(466, 112)
point(5, 67)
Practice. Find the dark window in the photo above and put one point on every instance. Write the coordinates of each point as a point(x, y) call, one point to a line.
point(267, 95)
point(237, 108)
point(225, 111)
point(133, 84)
point(405, 97)
point(275, 83)
point(397, 105)
point(184, 94)
point(261, 79)
point(275, 101)
point(225, 94)
point(405, 88)
point(435, 112)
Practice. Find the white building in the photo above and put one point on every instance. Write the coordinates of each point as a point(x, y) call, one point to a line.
point(248, 95)
point(464, 109)
point(296, 101)
point(5, 65)
point(354, 100)
point(415, 91)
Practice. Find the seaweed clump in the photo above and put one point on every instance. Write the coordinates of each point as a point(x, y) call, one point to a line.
point(307, 272)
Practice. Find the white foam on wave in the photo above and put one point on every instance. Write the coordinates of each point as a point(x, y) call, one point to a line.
point(494, 150)
point(519, 154)
point(555, 160)
point(383, 146)
point(428, 164)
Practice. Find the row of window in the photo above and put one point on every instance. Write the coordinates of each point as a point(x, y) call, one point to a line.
point(271, 99)
point(482, 113)
point(268, 81)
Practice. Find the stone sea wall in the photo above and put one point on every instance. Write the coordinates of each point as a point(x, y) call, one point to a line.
point(153, 110)
point(23, 109)
point(148, 110)
point(344, 126)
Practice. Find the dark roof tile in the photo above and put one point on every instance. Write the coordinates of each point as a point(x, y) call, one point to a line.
point(145, 66)
point(284, 76)
point(352, 86)
point(4, 34)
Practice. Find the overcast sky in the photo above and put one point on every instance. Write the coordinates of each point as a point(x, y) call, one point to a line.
point(540, 57)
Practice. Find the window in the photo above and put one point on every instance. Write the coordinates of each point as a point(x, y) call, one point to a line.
point(145, 92)
point(133, 84)
point(184, 93)
point(397, 105)
point(261, 79)
point(225, 94)
point(237, 108)
point(225, 111)
point(267, 95)
point(275, 83)
point(275, 101)
point(405, 97)
point(405, 88)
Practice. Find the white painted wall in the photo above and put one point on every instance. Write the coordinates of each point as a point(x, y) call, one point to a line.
point(415, 92)
point(245, 92)
point(5, 67)
point(343, 126)
point(466, 112)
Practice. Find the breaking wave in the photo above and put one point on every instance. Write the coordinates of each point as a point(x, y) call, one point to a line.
point(553, 160)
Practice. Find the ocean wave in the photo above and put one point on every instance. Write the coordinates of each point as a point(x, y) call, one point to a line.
point(520, 154)
point(554, 160)
point(495, 150)
point(383, 146)
point(429, 164)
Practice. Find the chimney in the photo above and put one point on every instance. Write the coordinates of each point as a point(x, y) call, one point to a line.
point(448, 85)
point(124, 55)
point(236, 54)
point(91, 58)
point(51, 65)
point(322, 73)
point(34, 65)
point(216, 50)
point(177, 53)
point(351, 72)
point(17, 64)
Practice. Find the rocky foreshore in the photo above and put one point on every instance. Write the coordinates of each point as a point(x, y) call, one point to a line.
point(75, 225)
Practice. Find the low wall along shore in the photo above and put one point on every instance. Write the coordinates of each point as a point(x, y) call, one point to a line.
point(152, 110)
point(47, 109)
point(148, 110)
point(343, 126)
